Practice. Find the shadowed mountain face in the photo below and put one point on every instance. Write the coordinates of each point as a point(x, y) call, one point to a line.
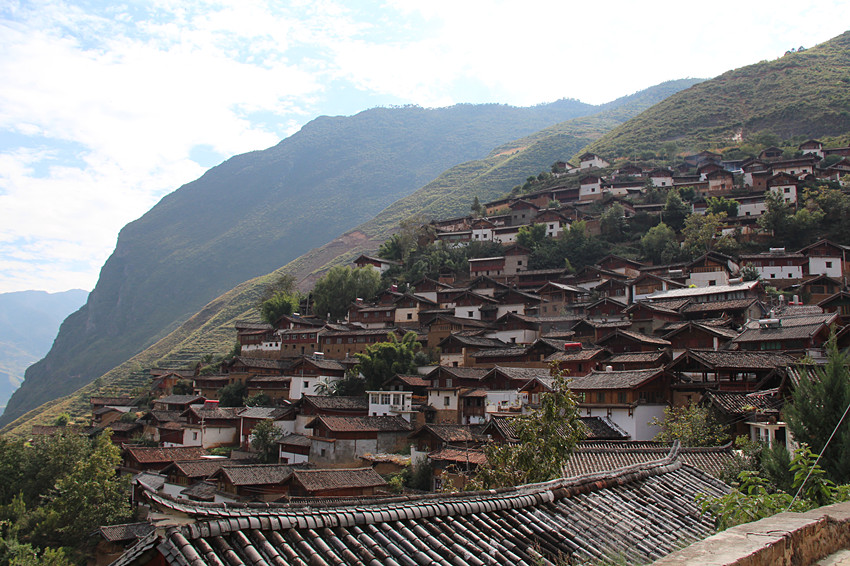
point(29, 321)
point(800, 95)
point(256, 212)
point(450, 193)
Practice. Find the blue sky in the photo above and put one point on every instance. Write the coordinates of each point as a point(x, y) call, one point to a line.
point(106, 107)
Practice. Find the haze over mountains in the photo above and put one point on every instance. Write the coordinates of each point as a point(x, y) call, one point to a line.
point(259, 211)
point(29, 321)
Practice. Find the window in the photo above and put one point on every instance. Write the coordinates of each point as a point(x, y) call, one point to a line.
point(194, 436)
point(410, 316)
point(600, 396)
point(449, 382)
point(322, 452)
point(306, 384)
point(829, 264)
point(385, 399)
point(447, 401)
point(470, 313)
point(622, 397)
point(374, 399)
point(712, 283)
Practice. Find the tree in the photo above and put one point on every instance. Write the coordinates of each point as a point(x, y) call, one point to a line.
point(777, 215)
point(92, 494)
point(722, 204)
point(264, 437)
point(700, 232)
point(258, 400)
point(613, 224)
point(659, 243)
point(750, 273)
point(531, 235)
point(384, 360)
point(340, 286)
point(817, 406)
point(675, 211)
point(545, 439)
point(232, 395)
point(279, 304)
point(691, 425)
point(476, 208)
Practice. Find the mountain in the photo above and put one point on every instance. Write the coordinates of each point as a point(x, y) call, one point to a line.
point(211, 329)
point(804, 94)
point(29, 321)
point(256, 212)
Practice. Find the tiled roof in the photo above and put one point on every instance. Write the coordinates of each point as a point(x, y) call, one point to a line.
point(458, 456)
point(201, 491)
point(255, 474)
point(731, 304)
point(264, 412)
point(604, 456)
point(741, 359)
point(791, 328)
point(575, 355)
point(768, 401)
point(637, 336)
point(460, 372)
point(295, 440)
point(341, 403)
point(149, 480)
point(151, 455)
point(166, 416)
point(524, 374)
point(198, 468)
point(180, 399)
point(642, 512)
point(126, 532)
point(412, 380)
point(245, 325)
point(450, 433)
point(636, 358)
point(361, 424)
point(262, 363)
point(500, 352)
point(613, 379)
point(317, 480)
point(603, 428)
point(120, 401)
point(215, 412)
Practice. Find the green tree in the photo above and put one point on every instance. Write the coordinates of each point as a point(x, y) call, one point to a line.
point(232, 395)
point(545, 439)
point(701, 232)
point(613, 223)
point(750, 273)
point(477, 209)
point(279, 304)
point(817, 406)
point(258, 400)
point(675, 211)
point(340, 286)
point(384, 360)
point(720, 204)
point(92, 494)
point(264, 437)
point(691, 425)
point(777, 215)
point(531, 236)
point(659, 244)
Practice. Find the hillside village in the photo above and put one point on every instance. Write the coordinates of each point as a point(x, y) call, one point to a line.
point(722, 331)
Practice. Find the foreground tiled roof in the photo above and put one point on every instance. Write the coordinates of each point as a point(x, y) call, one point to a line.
point(613, 379)
point(642, 512)
point(599, 457)
point(198, 468)
point(126, 532)
point(741, 359)
point(256, 474)
point(739, 403)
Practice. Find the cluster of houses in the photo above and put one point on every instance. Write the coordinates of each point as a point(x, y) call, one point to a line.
point(707, 173)
point(633, 339)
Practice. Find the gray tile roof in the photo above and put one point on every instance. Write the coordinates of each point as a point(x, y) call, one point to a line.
point(255, 474)
point(643, 511)
point(316, 480)
point(613, 379)
point(126, 532)
point(604, 456)
point(347, 403)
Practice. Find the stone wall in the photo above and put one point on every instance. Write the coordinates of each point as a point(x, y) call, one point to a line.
point(784, 539)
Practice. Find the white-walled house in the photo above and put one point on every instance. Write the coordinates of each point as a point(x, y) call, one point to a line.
point(391, 403)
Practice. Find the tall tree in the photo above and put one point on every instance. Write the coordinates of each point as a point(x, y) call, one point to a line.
point(660, 244)
point(675, 211)
point(546, 438)
point(383, 360)
point(818, 403)
point(264, 437)
point(340, 286)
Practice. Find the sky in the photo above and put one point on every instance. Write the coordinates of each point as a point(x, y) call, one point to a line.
point(106, 107)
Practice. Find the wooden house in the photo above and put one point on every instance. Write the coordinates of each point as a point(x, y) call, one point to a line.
point(351, 482)
point(338, 442)
point(253, 482)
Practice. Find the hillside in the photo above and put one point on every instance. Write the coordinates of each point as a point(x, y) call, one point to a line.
point(449, 194)
point(256, 212)
point(29, 321)
point(800, 95)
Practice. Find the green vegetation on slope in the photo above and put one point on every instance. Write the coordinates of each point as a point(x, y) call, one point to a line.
point(800, 95)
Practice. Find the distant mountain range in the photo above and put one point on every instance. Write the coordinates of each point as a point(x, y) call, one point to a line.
point(29, 321)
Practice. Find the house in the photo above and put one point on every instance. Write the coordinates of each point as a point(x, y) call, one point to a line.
point(590, 331)
point(638, 360)
point(577, 361)
point(631, 399)
point(351, 482)
point(371, 316)
point(819, 288)
point(487, 266)
point(697, 371)
point(313, 406)
point(825, 258)
point(294, 449)
point(796, 333)
point(797, 166)
point(391, 403)
point(557, 297)
point(590, 187)
point(457, 350)
point(522, 212)
point(720, 181)
point(453, 467)
point(785, 185)
point(338, 442)
point(647, 317)
point(447, 384)
point(177, 402)
point(149, 459)
point(211, 426)
point(771, 152)
point(276, 387)
point(739, 407)
point(189, 472)
point(661, 177)
point(693, 335)
point(342, 343)
point(710, 269)
point(621, 265)
point(777, 264)
point(253, 482)
point(813, 147)
point(431, 437)
point(621, 340)
point(283, 419)
point(646, 284)
point(524, 525)
point(589, 160)
point(378, 263)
